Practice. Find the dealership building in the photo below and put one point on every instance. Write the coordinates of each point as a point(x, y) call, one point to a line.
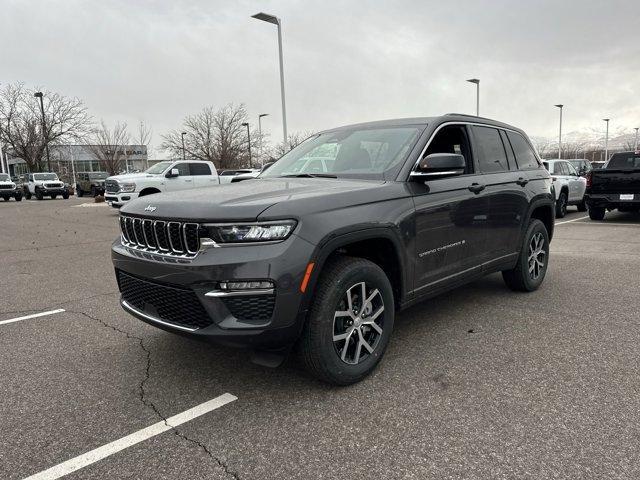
point(67, 159)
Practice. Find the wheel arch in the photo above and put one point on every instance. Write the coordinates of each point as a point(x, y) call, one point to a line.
point(381, 246)
point(543, 211)
point(149, 191)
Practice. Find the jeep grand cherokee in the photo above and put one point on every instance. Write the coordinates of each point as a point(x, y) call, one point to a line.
point(322, 249)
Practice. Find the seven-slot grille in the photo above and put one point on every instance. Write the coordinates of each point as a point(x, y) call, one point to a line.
point(6, 186)
point(53, 185)
point(161, 236)
point(111, 186)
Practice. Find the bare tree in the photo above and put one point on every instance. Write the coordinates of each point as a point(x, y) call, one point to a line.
point(109, 146)
point(293, 141)
point(214, 135)
point(541, 145)
point(21, 122)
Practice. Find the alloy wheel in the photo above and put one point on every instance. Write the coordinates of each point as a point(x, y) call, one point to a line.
point(537, 256)
point(358, 323)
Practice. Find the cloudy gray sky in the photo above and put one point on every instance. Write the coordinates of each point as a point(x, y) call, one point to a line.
point(345, 62)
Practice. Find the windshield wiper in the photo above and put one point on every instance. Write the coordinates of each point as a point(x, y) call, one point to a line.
point(310, 175)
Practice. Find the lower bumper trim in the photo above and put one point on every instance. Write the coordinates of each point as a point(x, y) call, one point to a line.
point(135, 311)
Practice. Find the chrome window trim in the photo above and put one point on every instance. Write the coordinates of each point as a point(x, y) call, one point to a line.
point(477, 124)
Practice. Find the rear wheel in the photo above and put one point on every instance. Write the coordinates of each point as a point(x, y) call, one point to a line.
point(531, 268)
point(39, 195)
point(65, 195)
point(27, 194)
point(18, 197)
point(79, 191)
point(53, 196)
point(596, 213)
point(349, 323)
point(561, 205)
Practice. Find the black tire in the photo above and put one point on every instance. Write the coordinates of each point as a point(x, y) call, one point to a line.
point(18, 198)
point(93, 191)
point(79, 191)
point(27, 194)
point(597, 213)
point(320, 353)
point(561, 205)
point(65, 195)
point(6, 199)
point(520, 278)
point(39, 195)
point(582, 206)
point(54, 196)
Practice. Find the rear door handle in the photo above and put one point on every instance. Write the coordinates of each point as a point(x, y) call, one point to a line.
point(476, 187)
point(522, 181)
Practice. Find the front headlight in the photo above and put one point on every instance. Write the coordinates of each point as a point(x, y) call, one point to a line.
point(127, 187)
point(251, 232)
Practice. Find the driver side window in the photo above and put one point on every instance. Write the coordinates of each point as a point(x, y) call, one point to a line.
point(452, 139)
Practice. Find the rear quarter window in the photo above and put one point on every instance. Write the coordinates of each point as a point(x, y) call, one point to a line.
point(624, 161)
point(525, 156)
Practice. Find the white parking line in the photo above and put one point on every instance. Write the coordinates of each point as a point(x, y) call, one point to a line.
point(573, 220)
point(35, 315)
point(114, 447)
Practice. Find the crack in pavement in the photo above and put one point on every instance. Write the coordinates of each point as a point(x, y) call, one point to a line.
point(148, 403)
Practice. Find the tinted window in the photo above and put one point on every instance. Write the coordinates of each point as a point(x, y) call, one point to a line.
point(491, 155)
point(509, 150)
point(524, 154)
point(199, 169)
point(570, 169)
point(452, 139)
point(183, 169)
point(624, 161)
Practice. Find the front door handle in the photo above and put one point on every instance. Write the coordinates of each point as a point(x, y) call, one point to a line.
point(476, 187)
point(522, 181)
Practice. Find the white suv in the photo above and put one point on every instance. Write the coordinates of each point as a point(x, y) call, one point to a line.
point(166, 176)
point(569, 186)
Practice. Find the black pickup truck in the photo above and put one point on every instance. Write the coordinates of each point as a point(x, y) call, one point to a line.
point(321, 260)
point(616, 186)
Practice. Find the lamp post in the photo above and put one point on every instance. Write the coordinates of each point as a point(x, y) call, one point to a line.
point(265, 17)
point(560, 134)
point(260, 134)
point(606, 140)
point(246, 124)
point(184, 157)
point(635, 144)
point(477, 82)
point(44, 129)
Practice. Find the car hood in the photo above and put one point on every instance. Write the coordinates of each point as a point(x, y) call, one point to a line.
point(131, 177)
point(246, 201)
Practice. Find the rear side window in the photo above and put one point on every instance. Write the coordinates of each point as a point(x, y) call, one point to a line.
point(523, 151)
point(491, 154)
point(624, 161)
point(199, 169)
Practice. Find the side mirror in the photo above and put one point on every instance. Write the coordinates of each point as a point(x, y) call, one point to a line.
point(174, 172)
point(440, 165)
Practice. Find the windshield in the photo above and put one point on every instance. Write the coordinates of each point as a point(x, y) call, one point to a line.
point(45, 176)
point(351, 153)
point(98, 175)
point(158, 168)
point(4, 177)
point(624, 161)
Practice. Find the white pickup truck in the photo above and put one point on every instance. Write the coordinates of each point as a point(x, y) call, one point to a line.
point(167, 176)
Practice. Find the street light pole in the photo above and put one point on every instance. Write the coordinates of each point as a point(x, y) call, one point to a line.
point(265, 17)
point(44, 129)
point(477, 82)
point(184, 157)
point(260, 134)
point(246, 124)
point(635, 145)
point(606, 141)
point(560, 134)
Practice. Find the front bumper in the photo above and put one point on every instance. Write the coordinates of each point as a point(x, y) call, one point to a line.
point(171, 293)
point(611, 201)
point(119, 199)
point(53, 191)
point(10, 193)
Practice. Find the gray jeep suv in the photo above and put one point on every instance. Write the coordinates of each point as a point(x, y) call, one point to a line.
point(322, 249)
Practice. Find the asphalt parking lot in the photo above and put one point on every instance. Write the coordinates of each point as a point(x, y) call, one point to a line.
point(478, 383)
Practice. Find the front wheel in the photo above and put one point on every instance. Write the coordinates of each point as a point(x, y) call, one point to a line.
point(596, 213)
point(349, 323)
point(27, 194)
point(53, 196)
point(65, 195)
point(582, 206)
point(561, 205)
point(39, 195)
point(18, 198)
point(79, 191)
point(533, 261)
